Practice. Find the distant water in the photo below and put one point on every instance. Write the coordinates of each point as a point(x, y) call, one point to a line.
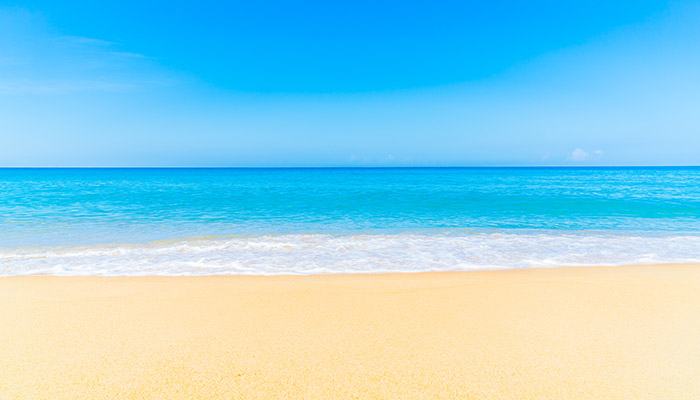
point(301, 221)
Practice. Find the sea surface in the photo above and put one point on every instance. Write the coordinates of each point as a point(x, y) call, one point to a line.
point(201, 221)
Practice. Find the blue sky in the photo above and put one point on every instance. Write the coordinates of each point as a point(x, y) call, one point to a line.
point(355, 84)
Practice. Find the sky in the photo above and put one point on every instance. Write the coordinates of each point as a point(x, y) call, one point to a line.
point(362, 83)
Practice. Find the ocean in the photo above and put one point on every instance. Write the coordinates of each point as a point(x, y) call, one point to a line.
point(203, 221)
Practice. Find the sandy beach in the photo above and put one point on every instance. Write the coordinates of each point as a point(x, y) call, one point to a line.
point(573, 333)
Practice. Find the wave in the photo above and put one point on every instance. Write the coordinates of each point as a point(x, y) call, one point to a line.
point(351, 253)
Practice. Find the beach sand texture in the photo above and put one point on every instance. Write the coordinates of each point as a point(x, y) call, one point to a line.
point(573, 333)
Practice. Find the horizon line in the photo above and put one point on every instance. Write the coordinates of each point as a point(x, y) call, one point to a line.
point(348, 166)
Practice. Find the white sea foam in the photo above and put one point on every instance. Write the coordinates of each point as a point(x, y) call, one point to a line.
point(351, 253)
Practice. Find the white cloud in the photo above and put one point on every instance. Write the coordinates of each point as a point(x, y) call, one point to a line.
point(583, 155)
point(579, 155)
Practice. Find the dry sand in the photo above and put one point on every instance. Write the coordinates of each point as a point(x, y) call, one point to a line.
point(577, 333)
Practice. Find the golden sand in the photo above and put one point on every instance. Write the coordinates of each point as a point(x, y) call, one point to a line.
point(578, 333)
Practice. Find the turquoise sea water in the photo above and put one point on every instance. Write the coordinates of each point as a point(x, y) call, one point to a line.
point(202, 221)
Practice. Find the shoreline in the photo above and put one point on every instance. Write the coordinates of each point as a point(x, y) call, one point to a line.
point(559, 333)
point(368, 274)
point(315, 253)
